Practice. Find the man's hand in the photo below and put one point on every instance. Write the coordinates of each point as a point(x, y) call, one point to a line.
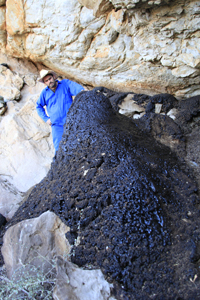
point(49, 122)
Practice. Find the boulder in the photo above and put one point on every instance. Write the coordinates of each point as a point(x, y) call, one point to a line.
point(10, 84)
point(42, 240)
point(10, 198)
point(77, 284)
point(129, 107)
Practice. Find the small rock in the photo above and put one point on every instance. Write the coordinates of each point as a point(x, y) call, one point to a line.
point(138, 116)
point(129, 107)
point(30, 80)
point(172, 113)
point(158, 108)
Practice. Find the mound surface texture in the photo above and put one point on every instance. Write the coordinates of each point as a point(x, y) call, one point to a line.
point(132, 210)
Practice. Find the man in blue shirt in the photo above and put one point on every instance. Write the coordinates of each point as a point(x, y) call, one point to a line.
point(57, 97)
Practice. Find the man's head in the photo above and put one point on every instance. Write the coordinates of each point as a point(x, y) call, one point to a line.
point(48, 77)
point(50, 81)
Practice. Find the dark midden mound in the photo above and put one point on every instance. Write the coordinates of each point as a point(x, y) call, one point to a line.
point(130, 200)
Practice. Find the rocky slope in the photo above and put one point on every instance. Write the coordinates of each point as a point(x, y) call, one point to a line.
point(131, 204)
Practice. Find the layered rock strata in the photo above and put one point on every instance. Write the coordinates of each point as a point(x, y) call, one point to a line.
point(130, 203)
point(124, 45)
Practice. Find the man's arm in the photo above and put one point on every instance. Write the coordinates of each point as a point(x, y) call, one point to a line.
point(74, 87)
point(41, 111)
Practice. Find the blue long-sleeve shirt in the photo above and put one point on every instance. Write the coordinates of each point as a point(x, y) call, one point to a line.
point(58, 102)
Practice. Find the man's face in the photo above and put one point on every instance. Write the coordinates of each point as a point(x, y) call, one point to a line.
point(50, 81)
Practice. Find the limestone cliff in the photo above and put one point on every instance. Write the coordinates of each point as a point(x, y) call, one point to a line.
point(124, 45)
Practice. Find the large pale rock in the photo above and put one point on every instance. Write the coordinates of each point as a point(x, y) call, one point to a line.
point(78, 284)
point(36, 45)
point(36, 242)
point(41, 239)
point(10, 198)
point(130, 108)
point(10, 84)
point(140, 46)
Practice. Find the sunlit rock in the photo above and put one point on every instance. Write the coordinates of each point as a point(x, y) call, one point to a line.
point(26, 148)
point(132, 46)
point(76, 283)
point(42, 241)
point(10, 84)
point(10, 197)
point(99, 7)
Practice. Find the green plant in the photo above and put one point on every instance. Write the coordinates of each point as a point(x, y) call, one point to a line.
point(28, 282)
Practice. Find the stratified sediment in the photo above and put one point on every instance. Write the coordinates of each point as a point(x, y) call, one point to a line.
point(132, 206)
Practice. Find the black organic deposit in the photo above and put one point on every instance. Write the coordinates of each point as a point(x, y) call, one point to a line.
point(131, 202)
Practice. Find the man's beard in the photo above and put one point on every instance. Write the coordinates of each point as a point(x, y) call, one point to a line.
point(52, 84)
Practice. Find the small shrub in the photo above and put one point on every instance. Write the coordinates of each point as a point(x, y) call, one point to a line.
point(28, 282)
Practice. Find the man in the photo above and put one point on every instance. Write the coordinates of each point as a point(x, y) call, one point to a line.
point(57, 97)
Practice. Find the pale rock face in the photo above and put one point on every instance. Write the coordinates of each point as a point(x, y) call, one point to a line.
point(26, 148)
point(41, 240)
point(145, 46)
point(14, 17)
point(25, 142)
point(99, 7)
